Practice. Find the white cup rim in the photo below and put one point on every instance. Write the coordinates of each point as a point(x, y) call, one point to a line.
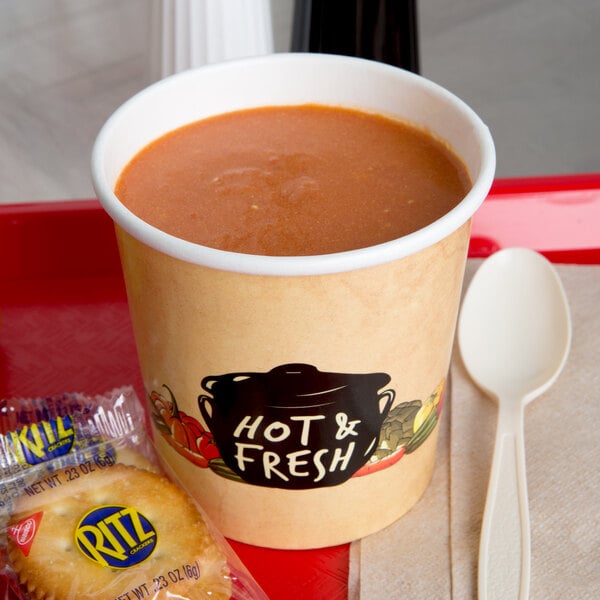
point(297, 265)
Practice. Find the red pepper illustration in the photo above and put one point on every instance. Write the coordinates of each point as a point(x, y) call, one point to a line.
point(181, 430)
point(379, 465)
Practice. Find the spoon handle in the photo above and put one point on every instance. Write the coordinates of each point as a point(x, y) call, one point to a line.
point(505, 546)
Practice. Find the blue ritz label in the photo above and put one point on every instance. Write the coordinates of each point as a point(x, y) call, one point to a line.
point(40, 442)
point(118, 537)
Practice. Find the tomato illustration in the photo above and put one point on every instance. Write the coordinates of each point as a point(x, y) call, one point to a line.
point(182, 431)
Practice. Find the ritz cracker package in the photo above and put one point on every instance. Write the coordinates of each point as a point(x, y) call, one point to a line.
point(87, 514)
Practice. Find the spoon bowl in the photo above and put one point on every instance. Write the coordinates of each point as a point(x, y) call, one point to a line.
point(514, 335)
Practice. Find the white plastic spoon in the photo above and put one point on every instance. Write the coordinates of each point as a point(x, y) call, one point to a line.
point(514, 334)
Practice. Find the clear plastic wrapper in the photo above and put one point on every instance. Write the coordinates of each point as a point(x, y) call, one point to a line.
point(87, 514)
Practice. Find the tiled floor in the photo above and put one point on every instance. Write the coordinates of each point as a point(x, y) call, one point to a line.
point(531, 68)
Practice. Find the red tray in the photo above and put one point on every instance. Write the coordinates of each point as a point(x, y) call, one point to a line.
point(64, 322)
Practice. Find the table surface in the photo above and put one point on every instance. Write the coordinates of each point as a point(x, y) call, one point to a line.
point(64, 321)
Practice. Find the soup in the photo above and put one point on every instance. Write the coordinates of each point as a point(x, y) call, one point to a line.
point(293, 180)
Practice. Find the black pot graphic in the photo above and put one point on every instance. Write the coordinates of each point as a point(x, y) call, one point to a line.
point(295, 427)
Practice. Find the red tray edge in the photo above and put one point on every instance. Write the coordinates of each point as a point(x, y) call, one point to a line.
point(77, 237)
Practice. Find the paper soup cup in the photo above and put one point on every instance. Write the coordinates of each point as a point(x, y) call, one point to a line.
point(297, 398)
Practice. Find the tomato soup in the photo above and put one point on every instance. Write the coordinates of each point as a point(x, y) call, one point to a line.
point(293, 180)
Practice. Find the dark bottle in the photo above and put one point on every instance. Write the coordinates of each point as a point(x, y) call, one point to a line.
point(381, 30)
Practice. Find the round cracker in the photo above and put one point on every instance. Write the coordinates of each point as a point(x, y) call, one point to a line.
point(133, 457)
point(56, 569)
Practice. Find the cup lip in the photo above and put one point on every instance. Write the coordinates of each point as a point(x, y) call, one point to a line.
point(317, 264)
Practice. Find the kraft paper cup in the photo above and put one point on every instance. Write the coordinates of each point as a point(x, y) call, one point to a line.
point(297, 398)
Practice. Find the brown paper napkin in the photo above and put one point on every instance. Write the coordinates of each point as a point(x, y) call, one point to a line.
point(432, 551)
